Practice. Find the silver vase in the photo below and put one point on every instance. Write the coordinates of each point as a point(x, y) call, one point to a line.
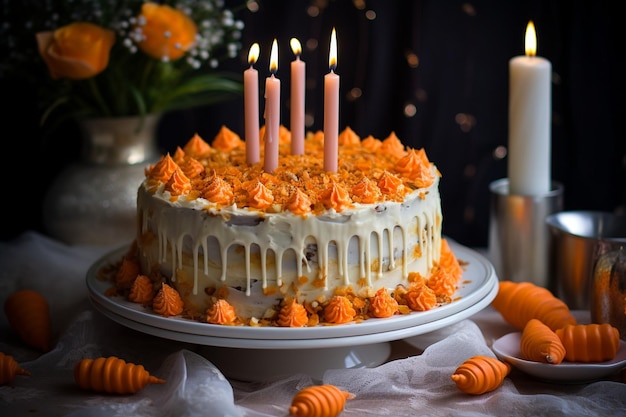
point(94, 201)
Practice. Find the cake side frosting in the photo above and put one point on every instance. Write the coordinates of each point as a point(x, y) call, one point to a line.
point(282, 254)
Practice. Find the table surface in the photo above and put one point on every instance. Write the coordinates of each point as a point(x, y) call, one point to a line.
point(415, 379)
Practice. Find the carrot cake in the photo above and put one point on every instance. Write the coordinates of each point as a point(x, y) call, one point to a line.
point(299, 246)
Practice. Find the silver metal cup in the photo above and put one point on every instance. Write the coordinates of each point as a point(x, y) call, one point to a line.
point(579, 239)
point(519, 239)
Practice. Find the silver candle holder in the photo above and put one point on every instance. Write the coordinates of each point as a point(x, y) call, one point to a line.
point(519, 239)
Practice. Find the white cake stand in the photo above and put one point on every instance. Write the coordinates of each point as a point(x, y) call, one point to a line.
point(259, 353)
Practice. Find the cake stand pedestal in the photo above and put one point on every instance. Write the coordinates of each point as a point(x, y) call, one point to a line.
point(259, 365)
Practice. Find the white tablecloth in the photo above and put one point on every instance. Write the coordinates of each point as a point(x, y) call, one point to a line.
point(415, 380)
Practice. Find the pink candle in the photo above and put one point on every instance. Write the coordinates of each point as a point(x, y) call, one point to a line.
point(331, 109)
point(251, 107)
point(298, 69)
point(272, 112)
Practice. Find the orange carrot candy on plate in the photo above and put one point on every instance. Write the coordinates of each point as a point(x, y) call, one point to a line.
point(589, 342)
point(9, 369)
point(539, 343)
point(28, 314)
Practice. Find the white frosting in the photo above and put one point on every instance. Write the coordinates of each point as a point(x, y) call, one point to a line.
point(263, 257)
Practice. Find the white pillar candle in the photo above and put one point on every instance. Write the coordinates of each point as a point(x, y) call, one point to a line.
point(272, 113)
point(251, 107)
point(298, 70)
point(331, 109)
point(529, 121)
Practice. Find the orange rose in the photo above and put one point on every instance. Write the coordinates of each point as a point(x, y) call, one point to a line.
point(167, 32)
point(77, 51)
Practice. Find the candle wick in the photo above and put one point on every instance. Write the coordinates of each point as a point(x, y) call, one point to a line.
point(333, 68)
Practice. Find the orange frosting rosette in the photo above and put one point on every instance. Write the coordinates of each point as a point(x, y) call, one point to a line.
point(161, 171)
point(416, 166)
point(259, 196)
point(389, 184)
point(335, 197)
point(371, 143)
point(178, 184)
point(217, 191)
point(222, 312)
point(227, 140)
point(366, 191)
point(191, 167)
point(196, 147)
point(168, 33)
point(292, 314)
point(442, 283)
point(348, 137)
point(76, 51)
point(339, 310)
point(299, 203)
point(420, 297)
point(393, 146)
point(179, 155)
point(167, 302)
point(383, 304)
point(142, 291)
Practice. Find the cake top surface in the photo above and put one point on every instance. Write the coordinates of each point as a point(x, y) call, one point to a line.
point(370, 171)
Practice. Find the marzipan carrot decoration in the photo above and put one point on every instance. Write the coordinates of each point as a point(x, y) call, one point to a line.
point(540, 343)
point(480, 374)
point(112, 375)
point(518, 302)
point(9, 369)
point(29, 315)
point(319, 401)
point(589, 342)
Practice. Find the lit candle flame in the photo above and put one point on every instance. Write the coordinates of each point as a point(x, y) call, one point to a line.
point(332, 55)
point(253, 55)
point(531, 39)
point(295, 46)
point(274, 57)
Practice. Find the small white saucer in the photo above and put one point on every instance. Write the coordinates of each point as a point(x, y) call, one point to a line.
point(507, 348)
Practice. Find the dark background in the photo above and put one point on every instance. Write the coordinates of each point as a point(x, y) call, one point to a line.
point(447, 60)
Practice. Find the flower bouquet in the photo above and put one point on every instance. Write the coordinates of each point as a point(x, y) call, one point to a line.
point(108, 58)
